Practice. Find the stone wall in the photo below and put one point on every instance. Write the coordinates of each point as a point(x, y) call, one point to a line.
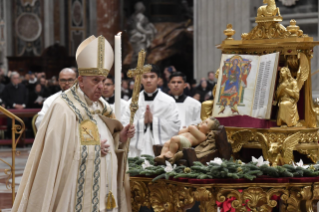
point(210, 20)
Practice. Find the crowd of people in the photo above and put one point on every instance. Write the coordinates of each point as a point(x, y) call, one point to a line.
point(30, 90)
point(200, 91)
point(26, 91)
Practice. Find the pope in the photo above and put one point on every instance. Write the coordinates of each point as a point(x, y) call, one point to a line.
point(73, 164)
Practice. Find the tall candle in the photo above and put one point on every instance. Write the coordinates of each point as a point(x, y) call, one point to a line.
point(118, 73)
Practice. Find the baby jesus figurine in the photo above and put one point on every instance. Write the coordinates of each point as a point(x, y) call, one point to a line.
point(187, 137)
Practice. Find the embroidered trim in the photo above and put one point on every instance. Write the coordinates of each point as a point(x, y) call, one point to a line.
point(105, 110)
point(77, 98)
point(70, 103)
point(93, 72)
point(81, 180)
point(96, 179)
point(100, 70)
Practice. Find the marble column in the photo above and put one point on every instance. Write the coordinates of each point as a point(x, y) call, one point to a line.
point(210, 20)
point(48, 23)
point(108, 18)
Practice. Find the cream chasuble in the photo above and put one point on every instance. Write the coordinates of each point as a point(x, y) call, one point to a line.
point(65, 170)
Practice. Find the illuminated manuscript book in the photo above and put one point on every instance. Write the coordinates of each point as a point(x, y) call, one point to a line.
point(246, 85)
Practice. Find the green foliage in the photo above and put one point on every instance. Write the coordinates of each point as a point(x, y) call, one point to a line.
point(213, 170)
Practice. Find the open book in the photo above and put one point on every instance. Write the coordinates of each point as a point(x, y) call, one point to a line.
point(246, 85)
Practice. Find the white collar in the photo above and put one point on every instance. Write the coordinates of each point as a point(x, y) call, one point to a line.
point(150, 94)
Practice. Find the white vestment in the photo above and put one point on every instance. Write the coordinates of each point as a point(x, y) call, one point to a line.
point(46, 105)
point(124, 105)
point(189, 111)
point(65, 169)
point(166, 123)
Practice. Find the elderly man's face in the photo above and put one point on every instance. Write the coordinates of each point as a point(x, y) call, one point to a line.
point(92, 86)
point(15, 79)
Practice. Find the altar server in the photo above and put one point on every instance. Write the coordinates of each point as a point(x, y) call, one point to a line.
point(156, 120)
point(108, 94)
point(188, 107)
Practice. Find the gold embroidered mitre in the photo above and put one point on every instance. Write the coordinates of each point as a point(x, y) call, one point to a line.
point(94, 57)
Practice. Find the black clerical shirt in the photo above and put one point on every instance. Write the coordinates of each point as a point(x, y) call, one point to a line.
point(15, 94)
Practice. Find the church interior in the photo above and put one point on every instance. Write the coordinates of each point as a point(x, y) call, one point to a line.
point(206, 105)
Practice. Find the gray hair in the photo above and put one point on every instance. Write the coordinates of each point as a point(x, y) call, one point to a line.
point(14, 73)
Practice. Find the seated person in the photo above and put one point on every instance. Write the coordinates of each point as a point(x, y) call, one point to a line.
point(187, 137)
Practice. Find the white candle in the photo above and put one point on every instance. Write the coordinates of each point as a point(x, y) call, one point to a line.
point(118, 73)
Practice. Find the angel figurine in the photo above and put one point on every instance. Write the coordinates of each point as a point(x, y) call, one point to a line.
point(288, 93)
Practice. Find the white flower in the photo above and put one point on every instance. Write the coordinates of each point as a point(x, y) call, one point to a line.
point(260, 161)
point(169, 166)
point(216, 160)
point(300, 164)
point(146, 164)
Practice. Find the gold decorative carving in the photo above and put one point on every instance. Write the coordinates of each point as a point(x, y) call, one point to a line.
point(267, 30)
point(174, 196)
point(312, 154)
point(161, 197)
point(139, 195)
point(183, 197)
point(268, 10)
point(258, 198)
point(202, 194)
point(298, 194)
point(207, 199)
point(170, 198)
point(293, 29)
point(229, 32)
point(224, 193)
point(303, 140)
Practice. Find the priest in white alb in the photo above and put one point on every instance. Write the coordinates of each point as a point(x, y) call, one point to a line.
point(156, 120)
point(73, 164)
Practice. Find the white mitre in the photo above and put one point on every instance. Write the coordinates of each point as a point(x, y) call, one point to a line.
point(94, 57)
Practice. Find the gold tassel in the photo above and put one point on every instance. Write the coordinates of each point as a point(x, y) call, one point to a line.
point(110, 202)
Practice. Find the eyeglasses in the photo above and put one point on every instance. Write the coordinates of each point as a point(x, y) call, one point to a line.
point(66, 80)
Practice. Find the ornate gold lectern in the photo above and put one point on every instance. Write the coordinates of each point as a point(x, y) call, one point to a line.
point(296, 52)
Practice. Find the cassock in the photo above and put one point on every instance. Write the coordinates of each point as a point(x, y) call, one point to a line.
point(65, 170)
point(124, 105)
point(166, 122)
point(189, 110)
point(46, 105)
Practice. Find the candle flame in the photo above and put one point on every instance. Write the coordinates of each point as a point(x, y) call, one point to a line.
point(119, 34)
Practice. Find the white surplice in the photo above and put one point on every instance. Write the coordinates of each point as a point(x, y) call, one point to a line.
point(124, 105)
point(189, 111)
point(166, 123)
point(46, 105)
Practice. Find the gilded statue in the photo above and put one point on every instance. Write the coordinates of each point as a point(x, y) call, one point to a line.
point(190, 136)
point(207, 106)
point(280, 152)
point(287, 93)
point(268, 10)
